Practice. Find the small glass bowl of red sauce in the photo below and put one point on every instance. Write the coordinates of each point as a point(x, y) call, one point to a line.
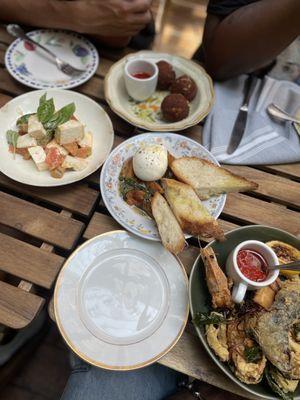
point(247, 265)
point(140, 78)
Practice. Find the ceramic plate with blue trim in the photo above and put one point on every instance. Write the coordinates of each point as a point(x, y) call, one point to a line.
point(34, 68)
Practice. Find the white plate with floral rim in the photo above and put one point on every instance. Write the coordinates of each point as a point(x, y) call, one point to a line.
point(130, 217)
point(91, 114)
point(33, 67)
point(121, 302)
point(146, 114)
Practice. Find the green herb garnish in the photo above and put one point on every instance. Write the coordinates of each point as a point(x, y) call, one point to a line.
point(12, 138)
point(46, 139)
point(252, 354)
point(60, 117)
point(128, 184)
point(45, 110)
point(24, 119)
point(206, 318)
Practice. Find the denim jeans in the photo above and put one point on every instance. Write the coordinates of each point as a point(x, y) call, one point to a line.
point(86, 382)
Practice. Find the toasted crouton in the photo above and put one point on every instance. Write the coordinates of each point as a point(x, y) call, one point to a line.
point(208, 179)
point(168, 227)
point(191, 214)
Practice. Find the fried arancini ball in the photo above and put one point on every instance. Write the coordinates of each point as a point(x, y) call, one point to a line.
point(185, 86)
point(166, 75)
point(175, 107)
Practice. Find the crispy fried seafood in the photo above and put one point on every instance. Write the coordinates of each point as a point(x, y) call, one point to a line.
point(217, 282)
point(248, 371)
point(276, 330)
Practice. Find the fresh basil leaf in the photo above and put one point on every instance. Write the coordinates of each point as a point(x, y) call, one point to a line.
point(46, 139)
point(274, 386)
point(24, 119)
point(252, 354)
point(206, 318)
point(12, 138)
point(45, 111)
point(43, 99)
point(60, 117)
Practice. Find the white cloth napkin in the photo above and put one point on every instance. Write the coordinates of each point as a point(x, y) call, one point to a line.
point(265, 140)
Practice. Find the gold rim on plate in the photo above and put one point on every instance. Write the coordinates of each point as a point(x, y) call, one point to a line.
point(90, 360)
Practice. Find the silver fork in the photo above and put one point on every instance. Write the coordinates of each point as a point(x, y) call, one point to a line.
point(66, 68)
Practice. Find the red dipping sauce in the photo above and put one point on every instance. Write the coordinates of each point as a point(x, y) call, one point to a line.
point(252, 265)
point(142, 75)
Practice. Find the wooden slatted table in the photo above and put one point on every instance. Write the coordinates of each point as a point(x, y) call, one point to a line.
point(39, 227)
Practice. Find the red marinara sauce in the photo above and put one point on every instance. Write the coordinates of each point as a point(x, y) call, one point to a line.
point(142, 75)
point(252, 265)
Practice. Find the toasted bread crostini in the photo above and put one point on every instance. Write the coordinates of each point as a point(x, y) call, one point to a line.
point(169, 229)
point(208, 179)
point(191, 214)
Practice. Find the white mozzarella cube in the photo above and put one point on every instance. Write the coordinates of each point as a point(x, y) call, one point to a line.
point(35, 128)
point(61, 149)
point(87, 140)
point(39, 157)
point(69, 132)
point(25, 141)
point(78, 164)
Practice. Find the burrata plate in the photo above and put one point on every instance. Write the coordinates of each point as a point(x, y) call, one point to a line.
point(130, 217)
point(146, 114)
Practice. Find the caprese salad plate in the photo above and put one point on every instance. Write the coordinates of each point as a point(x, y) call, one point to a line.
point(53, 137)
point(32, 67)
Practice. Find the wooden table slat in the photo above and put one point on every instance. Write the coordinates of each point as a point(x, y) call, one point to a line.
point(80, 200)
point(291, 170)
point(254, 211)
point(17, 307)
point(28, 262)
point(272, 186)
point(39, 222)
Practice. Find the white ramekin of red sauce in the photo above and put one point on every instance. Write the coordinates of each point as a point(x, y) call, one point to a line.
point(140, 78)
point(247, 265)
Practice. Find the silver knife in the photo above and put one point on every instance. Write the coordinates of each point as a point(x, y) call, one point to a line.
point(241, 120)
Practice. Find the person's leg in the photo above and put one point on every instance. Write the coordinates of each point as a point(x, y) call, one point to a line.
point(150, 383)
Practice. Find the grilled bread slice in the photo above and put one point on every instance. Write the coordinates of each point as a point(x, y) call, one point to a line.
point(169, 229)
point(191, 214)
point(207, 179)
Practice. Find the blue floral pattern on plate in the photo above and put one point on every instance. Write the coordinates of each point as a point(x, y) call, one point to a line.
point(130, 217)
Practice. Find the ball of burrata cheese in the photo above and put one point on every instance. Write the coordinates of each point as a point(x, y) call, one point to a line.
point(150, 162)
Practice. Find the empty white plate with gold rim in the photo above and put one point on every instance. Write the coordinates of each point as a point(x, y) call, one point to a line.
point(121, 302)
point(91, 114)
point(146, 115)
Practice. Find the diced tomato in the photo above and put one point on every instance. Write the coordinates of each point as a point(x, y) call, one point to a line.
point(54, 158)
point(84, 152)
